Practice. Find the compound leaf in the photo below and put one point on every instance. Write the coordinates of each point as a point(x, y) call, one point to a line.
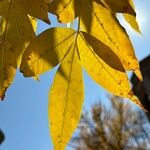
point(66, 95)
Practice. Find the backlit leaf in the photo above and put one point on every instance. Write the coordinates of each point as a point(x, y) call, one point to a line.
point(103, 51)
point(46, 51)
point(16, 32)
point(65, 108)
point(66, 95)
point(102, 72)
point(106, 28)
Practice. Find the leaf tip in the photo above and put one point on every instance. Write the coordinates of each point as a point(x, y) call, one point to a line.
point(2, 96)
point(138, 74)
point(135, 100)
point(139, 30)
point(36, 78)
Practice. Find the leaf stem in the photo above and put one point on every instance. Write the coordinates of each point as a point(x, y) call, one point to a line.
point(78, 24)
point(78, 32)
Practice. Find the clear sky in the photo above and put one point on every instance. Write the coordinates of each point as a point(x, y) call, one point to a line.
point(23, 113)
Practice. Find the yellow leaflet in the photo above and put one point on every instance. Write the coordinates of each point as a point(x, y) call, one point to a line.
point(103, 51)
point(66, 99)
point(106, 28)
point(16, 32)
point(95, 57)
point(46, 51)
point(132, 19)
point(35, 8)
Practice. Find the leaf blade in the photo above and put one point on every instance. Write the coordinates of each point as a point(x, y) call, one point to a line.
point(103, 74)
point(65, 107)
point(113, 36)
point(45, 51)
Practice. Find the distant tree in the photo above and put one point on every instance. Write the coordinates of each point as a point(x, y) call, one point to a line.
point(119, 127)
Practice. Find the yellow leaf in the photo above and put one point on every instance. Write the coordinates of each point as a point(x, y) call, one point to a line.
point(114, 79)
point(46, 51)
point(105, 27)
point(16, 32)
point(35, 8)
point(66, 95)
point(65, 108)
point(40, 56)
point(104, 52)
point(132, 19)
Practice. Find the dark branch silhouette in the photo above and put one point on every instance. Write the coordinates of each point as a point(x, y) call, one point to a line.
point(142, 89)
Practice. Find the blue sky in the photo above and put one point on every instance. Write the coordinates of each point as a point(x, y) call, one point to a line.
point(23, 113)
